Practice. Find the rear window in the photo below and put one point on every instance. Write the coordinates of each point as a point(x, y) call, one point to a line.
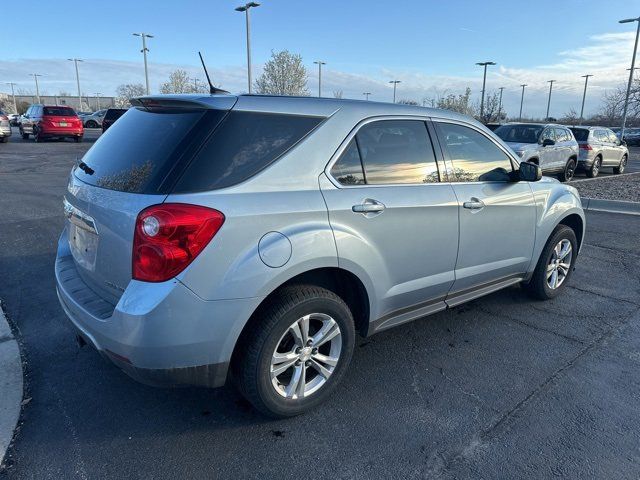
point(519, 133)
point(141, 148)
point(581, 134)
point(59, 111)
point(244, 144)
point(114, 113)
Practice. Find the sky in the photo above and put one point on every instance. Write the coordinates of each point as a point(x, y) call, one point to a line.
point(431, 46)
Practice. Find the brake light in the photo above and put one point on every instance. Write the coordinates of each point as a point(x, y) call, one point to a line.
point(169, 236)
point(585, 146)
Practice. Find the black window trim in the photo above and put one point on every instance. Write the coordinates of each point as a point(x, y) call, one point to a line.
point(440, 165)
point(515, 163)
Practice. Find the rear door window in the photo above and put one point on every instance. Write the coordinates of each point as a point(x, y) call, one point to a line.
point(244, 144)
point(348, 169)
point(397, 152)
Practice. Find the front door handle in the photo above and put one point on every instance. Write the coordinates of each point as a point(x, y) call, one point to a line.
point(369, 206)
point(474, 204)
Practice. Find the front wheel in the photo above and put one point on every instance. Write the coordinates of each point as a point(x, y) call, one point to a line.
point(621, 166)
point(297, 352)
point(569, 171)
point(555, 265)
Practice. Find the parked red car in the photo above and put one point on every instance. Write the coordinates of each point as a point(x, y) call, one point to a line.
point(51, 121)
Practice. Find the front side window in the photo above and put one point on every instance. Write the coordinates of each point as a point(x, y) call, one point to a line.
point(548, 134)
point(474, 157)
point(397, 152)
point(561, 135)
point(519, 133)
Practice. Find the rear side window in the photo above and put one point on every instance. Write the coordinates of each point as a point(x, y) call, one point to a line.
point(59, 111)
point(581, 134)
point(139, 150)
point(244, 144)
point(348, 169)
point(475, 158)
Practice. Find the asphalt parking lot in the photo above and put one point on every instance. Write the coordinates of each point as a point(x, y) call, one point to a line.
point(503, 387)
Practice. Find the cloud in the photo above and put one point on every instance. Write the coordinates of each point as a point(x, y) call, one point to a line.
point(606, 56)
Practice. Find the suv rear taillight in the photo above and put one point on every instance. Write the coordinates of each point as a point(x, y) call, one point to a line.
point(585, 146)
point(169, 236)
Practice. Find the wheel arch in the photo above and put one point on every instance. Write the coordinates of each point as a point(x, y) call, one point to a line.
point(575, 223)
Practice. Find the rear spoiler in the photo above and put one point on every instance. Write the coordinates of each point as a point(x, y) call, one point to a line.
point(216, 102)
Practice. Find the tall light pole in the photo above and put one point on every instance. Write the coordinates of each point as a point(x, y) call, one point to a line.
point(319, 63)
point(366, 95)
point(75, 61)
point(97, 95)
point(549, 100)
point(395, 84)
point(245, 8)
point(484, 82)
point(35, 77)
point(633, 63)
point(144, 51)
point(521, 101)
point(15, 104)
point(500, 104)
point(584, 95)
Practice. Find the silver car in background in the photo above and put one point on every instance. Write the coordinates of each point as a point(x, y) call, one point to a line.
point(600, 148)
point(94, 120)
point(252, 237)
point(5, 127)
point(550, 146)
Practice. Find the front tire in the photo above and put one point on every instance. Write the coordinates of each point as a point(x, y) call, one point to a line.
point(595, 168)
point(621, 166)
point(569, 171)
point(555, 264)
point(298, 350)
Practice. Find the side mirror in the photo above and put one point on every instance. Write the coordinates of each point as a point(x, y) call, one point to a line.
point(547, 142)
point(530, 172)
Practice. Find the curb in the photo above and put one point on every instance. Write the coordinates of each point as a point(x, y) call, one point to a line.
point(611, 206)
point(11, 385)
point(622, 175)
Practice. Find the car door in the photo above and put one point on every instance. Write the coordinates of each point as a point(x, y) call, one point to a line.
point(548, 154)
point(26, 121)
point(497, 214)
point(614, 149)
point(562, 147)
point(394, 222)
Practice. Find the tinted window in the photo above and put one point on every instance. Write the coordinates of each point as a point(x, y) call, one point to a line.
point(548, 134)
point(397, 151)
point(581, 134)
point(244, 144)
point(519, 133)
point(61, 111)
point(475, 158)
point(348, 169)
point(114, 113)
point(136, 153)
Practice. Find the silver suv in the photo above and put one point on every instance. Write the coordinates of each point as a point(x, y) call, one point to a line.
point(551, 146)
point(252, 237)
point(600, 147)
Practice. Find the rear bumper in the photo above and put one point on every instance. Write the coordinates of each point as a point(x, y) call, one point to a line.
point(61, 132)
point(5, 131)
point(160, 334)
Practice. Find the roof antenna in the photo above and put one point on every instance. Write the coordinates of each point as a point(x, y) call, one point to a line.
point(212, 90)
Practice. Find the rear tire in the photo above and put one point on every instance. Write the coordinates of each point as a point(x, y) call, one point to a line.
point(277, 342)
point(4, 139)
point(569, 171)
point(621, 166)
point(541, 285)
point(91, 124)
point(595, 168)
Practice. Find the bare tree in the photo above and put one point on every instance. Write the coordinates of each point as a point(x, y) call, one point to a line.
point(570, 117)
point(337, 94)
point(460, 103)
point(491, 104)
point(126, 92)
point(178, 83)
point(283, 74)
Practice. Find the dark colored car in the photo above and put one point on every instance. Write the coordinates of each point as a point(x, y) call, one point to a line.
point(111, 116)
point(493, 126)
point(51, 121)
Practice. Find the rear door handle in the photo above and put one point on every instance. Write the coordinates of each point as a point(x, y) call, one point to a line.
point(474, 204)
point(369, 206)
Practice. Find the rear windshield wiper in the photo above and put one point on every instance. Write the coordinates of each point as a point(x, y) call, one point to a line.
point(86, 168)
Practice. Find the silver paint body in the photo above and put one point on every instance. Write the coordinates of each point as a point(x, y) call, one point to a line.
point(424, 252)
point(611, 152)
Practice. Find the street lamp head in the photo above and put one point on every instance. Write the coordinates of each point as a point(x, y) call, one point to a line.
point(524, 85)
point(247, 6)
point(319, 62)
point(629, 20)
point(482, 64)
point(395, 81)
point(550, 81)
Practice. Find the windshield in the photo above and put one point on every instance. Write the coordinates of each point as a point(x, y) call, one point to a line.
point(519, 133)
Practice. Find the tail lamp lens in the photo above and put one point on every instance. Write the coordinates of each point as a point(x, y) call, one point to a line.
point(169, 236)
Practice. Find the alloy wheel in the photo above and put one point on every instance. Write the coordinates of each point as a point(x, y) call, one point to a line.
point(305, 356)
point(569, 171)
point(559, 264)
